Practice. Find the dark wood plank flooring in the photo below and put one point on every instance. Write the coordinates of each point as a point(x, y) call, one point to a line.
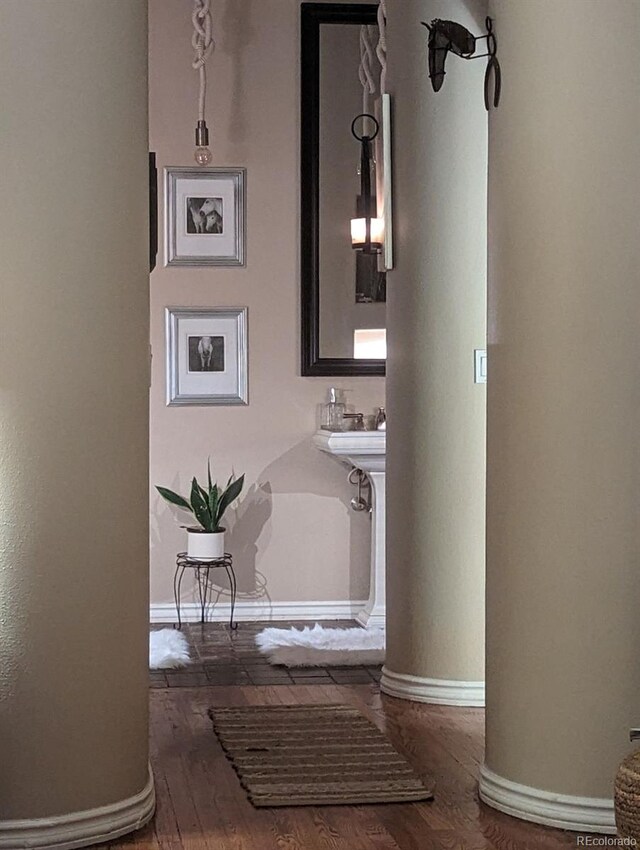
point(201, 805)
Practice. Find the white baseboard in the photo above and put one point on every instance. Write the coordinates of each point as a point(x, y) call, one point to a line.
point(257, 609)
point(579, 814)
point(80, 829)
point(436, 691)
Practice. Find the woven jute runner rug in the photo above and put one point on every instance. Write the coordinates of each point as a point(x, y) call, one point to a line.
point(314, 755)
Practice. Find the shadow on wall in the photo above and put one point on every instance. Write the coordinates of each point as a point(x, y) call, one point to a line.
point(165, 532)
point(244, 530)
point(304, 469)
point(235, 40)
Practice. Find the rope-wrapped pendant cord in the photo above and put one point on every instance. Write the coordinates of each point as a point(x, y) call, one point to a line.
point(367, 61)
point(381, 47)
point(372, 70)
point(203, 44)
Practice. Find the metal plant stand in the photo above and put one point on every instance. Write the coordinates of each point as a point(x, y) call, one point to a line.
point(202, 570)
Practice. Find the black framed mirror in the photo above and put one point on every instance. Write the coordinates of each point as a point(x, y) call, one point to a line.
point(343, 291)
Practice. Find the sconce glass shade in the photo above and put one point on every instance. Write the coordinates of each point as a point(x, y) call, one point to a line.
point(359, 233)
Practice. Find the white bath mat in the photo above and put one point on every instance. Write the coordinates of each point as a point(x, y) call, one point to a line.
point(319, 647)
point(167, 648)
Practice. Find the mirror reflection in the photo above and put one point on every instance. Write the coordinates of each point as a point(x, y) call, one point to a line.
point(345, 269)
point(352, 283)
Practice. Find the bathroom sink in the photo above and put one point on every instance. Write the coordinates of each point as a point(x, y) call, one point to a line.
point(366, 450)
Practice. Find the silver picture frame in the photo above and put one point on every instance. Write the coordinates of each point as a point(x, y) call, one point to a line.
point(187, 241)
point(224, 383)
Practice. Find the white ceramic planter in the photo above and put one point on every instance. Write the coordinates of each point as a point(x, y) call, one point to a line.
point(204, 546)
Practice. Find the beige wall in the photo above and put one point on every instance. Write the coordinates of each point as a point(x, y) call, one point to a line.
point(436, 309)
point(73, 406)
point(563, 493)
point(293, 532)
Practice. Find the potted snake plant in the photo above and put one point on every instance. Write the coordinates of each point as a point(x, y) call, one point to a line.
point(208, 506)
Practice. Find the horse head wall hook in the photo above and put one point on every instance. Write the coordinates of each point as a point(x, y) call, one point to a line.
point(446, 36)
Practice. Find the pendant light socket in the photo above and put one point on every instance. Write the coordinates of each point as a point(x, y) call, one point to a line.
point(202, 155)
point(202, 134)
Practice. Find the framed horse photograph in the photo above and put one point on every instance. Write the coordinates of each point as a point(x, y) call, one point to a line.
point(205, 216)
point(206, 355)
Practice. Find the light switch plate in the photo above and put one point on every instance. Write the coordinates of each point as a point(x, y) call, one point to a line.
point(480, 371)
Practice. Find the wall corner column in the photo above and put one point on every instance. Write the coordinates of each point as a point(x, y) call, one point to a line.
point(74, 362)
point(563, 470)
point(436, 413)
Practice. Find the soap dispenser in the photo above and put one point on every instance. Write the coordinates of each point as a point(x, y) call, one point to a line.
point(333, 412)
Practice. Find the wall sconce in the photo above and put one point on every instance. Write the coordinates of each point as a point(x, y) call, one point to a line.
point(367, 231)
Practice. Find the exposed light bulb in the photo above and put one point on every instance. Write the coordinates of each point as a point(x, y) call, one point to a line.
point(203, 156)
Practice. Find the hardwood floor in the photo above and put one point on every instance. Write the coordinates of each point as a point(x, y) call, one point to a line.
point(201, 805)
